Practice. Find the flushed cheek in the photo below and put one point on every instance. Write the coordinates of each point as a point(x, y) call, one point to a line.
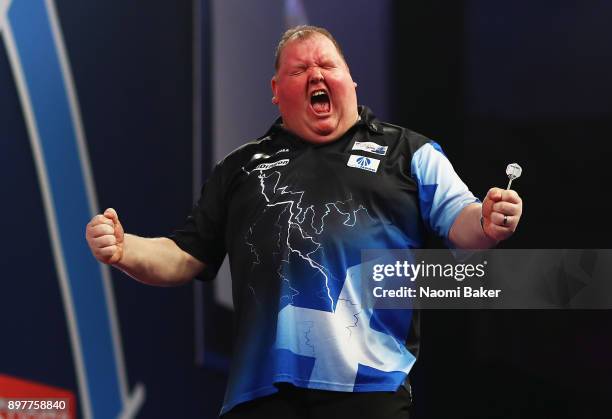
point(293, 103)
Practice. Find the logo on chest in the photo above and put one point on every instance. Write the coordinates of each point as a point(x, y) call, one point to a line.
point(266, 166)
point(370, 147)
point(365, 163)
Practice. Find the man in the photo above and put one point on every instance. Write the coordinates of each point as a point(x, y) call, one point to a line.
point(293, 210)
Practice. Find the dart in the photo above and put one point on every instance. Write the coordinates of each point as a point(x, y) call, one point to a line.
point(513, 171)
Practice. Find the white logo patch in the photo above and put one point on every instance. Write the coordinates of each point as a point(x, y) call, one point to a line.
point(370, 147)
point(362, 162)
point(266, 166)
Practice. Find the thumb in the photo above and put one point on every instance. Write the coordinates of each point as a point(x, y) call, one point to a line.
point(111, 214)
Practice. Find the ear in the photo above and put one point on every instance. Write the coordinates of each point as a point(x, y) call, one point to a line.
point(274, 90)
point(355, 83)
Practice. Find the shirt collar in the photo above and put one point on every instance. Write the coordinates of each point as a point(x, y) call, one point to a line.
point(369, 120)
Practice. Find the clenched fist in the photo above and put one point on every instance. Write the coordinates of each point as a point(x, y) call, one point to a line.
point(501, 212)
point(104, 235)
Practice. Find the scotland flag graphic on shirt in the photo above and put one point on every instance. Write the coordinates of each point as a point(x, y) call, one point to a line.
point(294, 225)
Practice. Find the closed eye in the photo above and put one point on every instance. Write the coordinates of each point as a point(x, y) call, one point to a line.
point(328, 65)
point(297, 71)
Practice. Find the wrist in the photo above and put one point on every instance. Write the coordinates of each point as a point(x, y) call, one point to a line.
point(491, 241)
point(119, 263)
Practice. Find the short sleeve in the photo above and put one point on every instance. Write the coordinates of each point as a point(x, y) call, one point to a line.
point(442, 194)
point(202, 234)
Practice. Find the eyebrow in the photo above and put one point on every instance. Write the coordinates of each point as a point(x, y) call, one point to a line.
point(302, 63)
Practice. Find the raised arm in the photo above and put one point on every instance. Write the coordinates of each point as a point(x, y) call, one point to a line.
point(153, 261)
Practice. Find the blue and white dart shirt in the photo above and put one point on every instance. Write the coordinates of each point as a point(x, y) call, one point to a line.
point(293, 217)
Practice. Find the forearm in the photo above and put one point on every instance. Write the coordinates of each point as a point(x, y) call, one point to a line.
point(467, 233)
point(157, 261)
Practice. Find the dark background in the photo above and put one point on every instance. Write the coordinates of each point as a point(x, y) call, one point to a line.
point(493, 83)
point(525, 82)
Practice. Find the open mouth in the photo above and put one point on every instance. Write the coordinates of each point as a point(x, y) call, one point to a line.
point(319, 99)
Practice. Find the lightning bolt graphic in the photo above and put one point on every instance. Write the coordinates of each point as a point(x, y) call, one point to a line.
point(296, 222)
point(307, 340)
point(355, 315)
point(292, 201)
point(284, 278)
point(253, 250)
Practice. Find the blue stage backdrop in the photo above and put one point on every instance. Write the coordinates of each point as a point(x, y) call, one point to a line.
point(126, 105)
point(96, 111)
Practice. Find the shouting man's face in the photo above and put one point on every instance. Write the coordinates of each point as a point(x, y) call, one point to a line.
point(314, 90)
